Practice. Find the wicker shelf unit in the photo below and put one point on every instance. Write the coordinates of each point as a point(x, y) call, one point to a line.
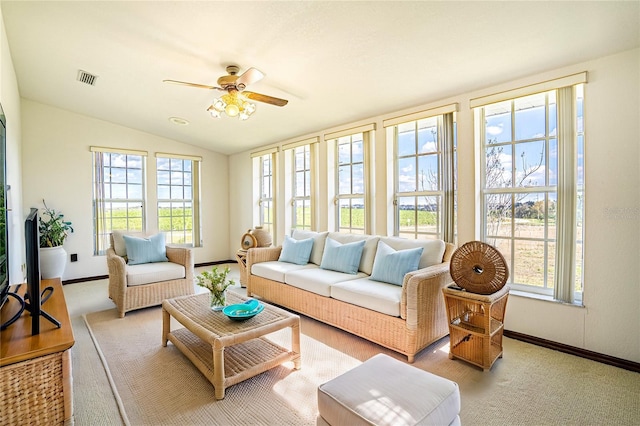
point(241, 257)
point(476, 325)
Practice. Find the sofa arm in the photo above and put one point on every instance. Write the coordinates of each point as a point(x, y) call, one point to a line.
point(262, 254)
point(182, 256)
point(117, 274)
point(422, 299)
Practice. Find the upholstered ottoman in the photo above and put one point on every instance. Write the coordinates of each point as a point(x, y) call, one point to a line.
point(385, 391)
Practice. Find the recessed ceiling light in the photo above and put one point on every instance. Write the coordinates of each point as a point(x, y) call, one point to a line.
point(179, 121)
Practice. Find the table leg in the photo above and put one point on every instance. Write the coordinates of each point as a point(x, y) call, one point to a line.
point(218, 370)
point(295, 344)
point(166, 325)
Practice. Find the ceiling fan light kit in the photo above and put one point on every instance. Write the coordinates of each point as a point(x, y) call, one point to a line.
point(235, 103)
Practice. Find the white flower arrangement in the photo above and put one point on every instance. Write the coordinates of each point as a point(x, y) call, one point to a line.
point(216, 282)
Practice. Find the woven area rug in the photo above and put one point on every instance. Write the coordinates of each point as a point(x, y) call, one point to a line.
point(157, 385)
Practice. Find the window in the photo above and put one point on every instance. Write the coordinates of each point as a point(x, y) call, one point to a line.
point(178, 189)
point(266, 201)
point(301, 199)
point(533, 188)
point(118, 195)
point(350, 184)
point(424, 178)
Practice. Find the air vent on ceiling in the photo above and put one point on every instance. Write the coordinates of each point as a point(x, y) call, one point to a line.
point(85, 77)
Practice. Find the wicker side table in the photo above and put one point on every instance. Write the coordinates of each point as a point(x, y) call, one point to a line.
point(241, 257)
point(476, 325)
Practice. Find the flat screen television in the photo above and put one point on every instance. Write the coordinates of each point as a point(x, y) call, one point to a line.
point(32, 243)
point(4, 231)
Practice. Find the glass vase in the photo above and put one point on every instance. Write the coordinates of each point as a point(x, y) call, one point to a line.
point(218, 300)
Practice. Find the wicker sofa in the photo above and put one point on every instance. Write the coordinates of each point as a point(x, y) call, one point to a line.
point(410, 317)
point(139, 286)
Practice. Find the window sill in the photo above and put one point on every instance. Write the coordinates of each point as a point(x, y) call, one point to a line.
point(543, 297)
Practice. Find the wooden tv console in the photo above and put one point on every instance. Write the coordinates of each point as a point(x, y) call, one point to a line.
point(35, 371)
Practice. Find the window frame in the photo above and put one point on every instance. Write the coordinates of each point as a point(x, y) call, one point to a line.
point(305, 199)
point(103, 222)
point(445, 191)
point(341, 199)
point(566, 256)
point(177, 166)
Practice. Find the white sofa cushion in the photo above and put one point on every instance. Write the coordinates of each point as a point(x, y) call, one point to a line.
point(432, 252)
point(318, 280)
point(318, 243)
point(146, 273)
point(368, 252)
point(275, 270)
point(377, 296)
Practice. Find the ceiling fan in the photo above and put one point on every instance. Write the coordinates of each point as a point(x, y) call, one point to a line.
point(235, 101)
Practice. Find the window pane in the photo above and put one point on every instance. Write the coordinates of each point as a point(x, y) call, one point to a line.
point(119, 191)
point(134, 176)
point(553, 162)
point(344, 178)
point(530, 117)
point(499, 217)
point(406, 141)
point(529, 164)
point(428, 135)
point(299, 184)
point(357, 150)
point(344, 151)
point(406, 174)
point(307, 183)
point(176, 178)
point(118, 175)
point(529, 265)
point(163, 192)
point(498, 122)
point(428, 175)
point(177, 193)
point(498, 167)
point(135, 191)
point(530, 216)
point(358, 179)
point(407, 215)
point(428, 209)
point(163, 178)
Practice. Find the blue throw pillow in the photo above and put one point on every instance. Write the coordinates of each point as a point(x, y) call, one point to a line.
point(390, 266)
point(145, 250)
point(296, 251)
point(342, 257)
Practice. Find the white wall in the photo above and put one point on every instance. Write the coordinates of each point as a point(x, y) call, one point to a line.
point(10, 99)
point(610, 319)
point(57, 167)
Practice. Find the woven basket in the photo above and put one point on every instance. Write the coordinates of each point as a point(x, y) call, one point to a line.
point(479, 268)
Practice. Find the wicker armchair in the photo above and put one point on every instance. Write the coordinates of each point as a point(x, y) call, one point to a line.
point(130, 297)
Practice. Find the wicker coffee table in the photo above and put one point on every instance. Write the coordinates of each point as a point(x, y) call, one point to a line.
point(227, 351)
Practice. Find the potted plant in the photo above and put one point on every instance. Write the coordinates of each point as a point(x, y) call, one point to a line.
point(217, 284)
point(53, 232)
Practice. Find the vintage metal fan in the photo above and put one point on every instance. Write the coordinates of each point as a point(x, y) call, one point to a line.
point(235, 101)
point(479, 268)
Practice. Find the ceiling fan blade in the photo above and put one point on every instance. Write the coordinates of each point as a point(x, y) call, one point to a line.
point(264, 98)
point(250, 76)
point(186, 83)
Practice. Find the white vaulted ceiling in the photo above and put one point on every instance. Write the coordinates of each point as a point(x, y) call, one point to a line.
point(336, 62)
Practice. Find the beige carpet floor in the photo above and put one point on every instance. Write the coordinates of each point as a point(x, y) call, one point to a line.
point(528, 386)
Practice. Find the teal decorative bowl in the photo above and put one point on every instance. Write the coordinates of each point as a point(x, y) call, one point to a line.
point(242, 311)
